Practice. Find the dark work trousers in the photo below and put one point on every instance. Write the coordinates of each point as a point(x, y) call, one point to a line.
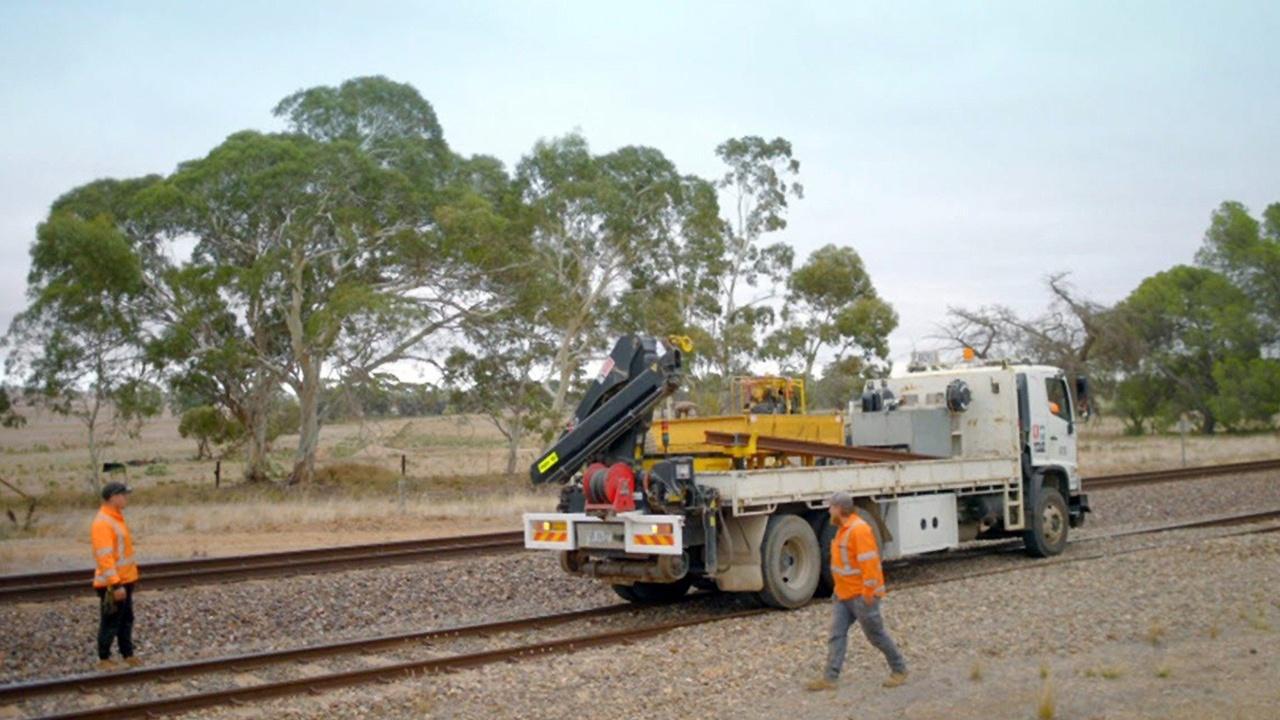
point(116, 624)
point(844, 613)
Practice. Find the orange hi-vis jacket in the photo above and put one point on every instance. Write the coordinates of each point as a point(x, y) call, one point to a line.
point(112, 549)
point(855, 561)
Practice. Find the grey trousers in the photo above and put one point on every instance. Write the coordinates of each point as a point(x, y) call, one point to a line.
point(847, 612)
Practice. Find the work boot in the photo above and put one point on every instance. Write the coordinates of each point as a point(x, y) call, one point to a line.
point(107, 665)
point(133, 662)
point(822, 683)
point(895, 679)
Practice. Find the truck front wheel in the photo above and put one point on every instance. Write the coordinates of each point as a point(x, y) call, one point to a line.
point(790, 561)
point(1046, 532)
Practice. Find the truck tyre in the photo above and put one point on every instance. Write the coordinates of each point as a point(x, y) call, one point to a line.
point(1046, 532)
point(790, 561)
point(825, 532)
point(646, 592)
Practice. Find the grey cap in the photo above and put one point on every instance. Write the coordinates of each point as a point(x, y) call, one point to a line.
point(115, 488)
point(842, 500)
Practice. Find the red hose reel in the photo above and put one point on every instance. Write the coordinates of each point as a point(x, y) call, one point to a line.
point(609, 487)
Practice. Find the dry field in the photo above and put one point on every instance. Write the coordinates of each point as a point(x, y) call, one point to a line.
point(454, 485)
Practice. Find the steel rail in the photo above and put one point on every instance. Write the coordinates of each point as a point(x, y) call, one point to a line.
point(791, 446)
point(1147, 477)
point(70, 583)
point(412, 668)
point(173, 671)
point(213, 698)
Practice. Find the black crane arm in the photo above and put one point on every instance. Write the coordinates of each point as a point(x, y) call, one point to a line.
point(617, 409)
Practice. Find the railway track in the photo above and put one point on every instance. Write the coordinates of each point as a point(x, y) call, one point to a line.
point(1171, 474)
point(73, 583)
point(411, 668)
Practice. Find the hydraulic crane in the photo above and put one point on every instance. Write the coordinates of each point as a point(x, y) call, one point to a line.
point(608, 428)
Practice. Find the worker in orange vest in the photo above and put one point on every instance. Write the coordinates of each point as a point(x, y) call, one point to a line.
point(115, 575)
point(859, 589)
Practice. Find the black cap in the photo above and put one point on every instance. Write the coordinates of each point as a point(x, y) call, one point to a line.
point(115, 488)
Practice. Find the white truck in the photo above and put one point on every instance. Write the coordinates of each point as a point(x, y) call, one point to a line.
point(986, 451)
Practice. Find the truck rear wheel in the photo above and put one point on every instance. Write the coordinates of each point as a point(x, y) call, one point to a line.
point(790, 561)
point(647, 592)
point(1046, 534)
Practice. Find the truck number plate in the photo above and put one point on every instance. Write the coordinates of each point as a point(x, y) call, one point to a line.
point(609, 536)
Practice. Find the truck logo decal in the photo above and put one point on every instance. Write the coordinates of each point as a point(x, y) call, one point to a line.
point(548, 462)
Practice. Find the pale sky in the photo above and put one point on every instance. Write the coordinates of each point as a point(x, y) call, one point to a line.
point(964, 149)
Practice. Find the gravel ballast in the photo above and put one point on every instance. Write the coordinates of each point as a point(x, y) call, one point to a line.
point(754, 668)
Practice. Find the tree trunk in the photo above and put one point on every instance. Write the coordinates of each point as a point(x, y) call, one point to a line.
point(94, 453)
point(91, 424)
point(255, 417)
point(304, 464)
point(513, 444)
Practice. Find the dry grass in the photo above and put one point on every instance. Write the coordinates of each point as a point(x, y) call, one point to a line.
point(1046, 707)
point(1105, 449)
point(1111, 672)
point(1163, 672)
point(280, 514)
point(1156, 634)
point(1214, 631)
point(1257, 620)
point(50, 453)
point(1044, 670)
point(975, 672)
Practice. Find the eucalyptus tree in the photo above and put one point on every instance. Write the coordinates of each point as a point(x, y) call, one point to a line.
point(757, 183)
point(1197, 351)
point(76, 345)
point(1247, 251)
point(352, 232)
point(595, 222)
point(832, 305)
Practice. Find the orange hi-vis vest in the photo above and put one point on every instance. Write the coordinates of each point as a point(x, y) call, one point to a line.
point(112, 549)
point(855, 561)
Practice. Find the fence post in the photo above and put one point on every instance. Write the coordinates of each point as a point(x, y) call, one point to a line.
point(217, 474)
point(1183, 424)
point(404, 464)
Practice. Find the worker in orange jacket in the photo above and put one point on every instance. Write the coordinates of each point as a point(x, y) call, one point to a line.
point(859, 589)
point(115, 575)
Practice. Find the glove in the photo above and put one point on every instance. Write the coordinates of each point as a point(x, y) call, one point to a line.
point(109, 602)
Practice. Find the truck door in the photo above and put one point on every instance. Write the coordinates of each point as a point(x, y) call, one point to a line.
point(1053, 429)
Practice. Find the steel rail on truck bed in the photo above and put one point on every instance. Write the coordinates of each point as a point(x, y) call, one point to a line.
point(792, 446)
point(177, 573)
point(408, 669)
